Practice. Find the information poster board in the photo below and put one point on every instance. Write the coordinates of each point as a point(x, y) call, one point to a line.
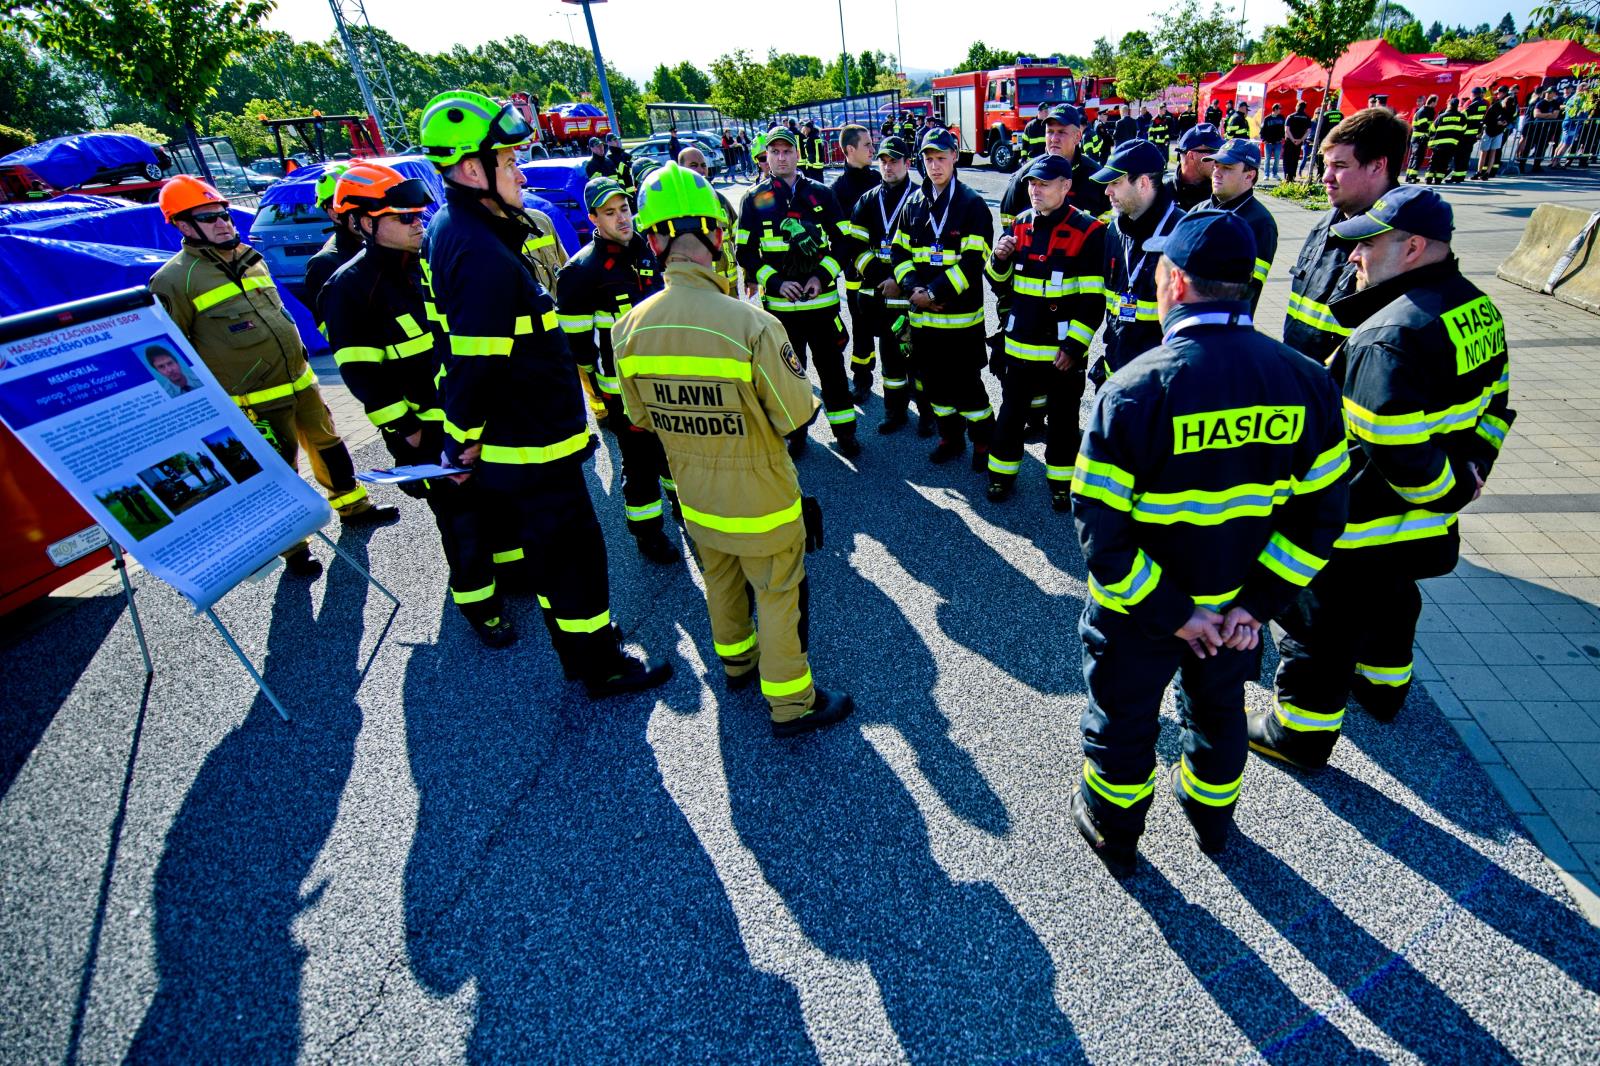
point(111, 399)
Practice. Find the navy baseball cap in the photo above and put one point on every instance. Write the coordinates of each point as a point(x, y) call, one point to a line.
point(940, 140)
point(1204, 136)
point(782, 133)
point(894, 148)
point(1412, 208)
point(1209, 244)
point(1238, 150)
point(1065, 114)
point(1132, 157)
point(600, 189)
point(1047, 168)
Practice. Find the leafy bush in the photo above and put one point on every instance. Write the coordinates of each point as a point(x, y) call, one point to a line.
point(1310, 195)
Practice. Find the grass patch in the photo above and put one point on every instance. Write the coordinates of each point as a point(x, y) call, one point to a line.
point(1311, 195)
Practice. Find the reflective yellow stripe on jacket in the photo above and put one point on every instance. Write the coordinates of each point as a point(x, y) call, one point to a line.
point(212, 297)
point(277, 392)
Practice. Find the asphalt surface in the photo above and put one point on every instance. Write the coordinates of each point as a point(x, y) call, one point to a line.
point(451, 854)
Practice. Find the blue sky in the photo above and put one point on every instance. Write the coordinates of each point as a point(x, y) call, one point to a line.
point(635, 35)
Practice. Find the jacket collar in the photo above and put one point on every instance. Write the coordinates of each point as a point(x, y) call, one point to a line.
point(511, 230)
point(1362, 304)
point(692, 275)
point(1236, 315)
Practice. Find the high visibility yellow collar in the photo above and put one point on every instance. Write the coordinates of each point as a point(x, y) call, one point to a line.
point(694, 275)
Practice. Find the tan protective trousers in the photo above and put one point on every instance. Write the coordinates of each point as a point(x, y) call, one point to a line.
point(779, 583)
point(307, 424)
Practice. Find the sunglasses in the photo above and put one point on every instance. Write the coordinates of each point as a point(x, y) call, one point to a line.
point(208, 217)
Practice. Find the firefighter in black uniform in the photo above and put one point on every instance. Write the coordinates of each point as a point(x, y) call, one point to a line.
point(1449, 129)
point(1190, 182)
point(1363, 157)
point(855, 181)
point(1143, 208)
point(1238, 124)
point(1160, 132)
point(1427, 383)
point(788, 227)
point(1235, 168)
point(597, 286)
point(514, 411)
point(884, 309)
point(1421, 127)
point(813, 152)
point(939, 258)
point(1048, 263)
point(377, 323)
point(1472, 116)
point(340, 247)
point(1185, 564)
point(1032, 136)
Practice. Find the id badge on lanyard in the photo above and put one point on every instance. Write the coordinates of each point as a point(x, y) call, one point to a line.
point(1128, 308)
point(883, 251)
point(936, 256)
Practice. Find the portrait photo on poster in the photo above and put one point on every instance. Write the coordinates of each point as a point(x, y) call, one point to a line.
point(169, 368)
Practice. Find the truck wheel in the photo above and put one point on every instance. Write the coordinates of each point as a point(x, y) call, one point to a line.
point(1003, 156)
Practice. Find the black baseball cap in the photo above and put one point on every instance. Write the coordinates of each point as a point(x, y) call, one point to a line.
point(1132, 157)
point(781, 133)
point(894, 148)
point(1412, 208)
point(940, 140)
point(1047, 168)
point(1065, 114)
point(1209, 244)
point(1204, 136)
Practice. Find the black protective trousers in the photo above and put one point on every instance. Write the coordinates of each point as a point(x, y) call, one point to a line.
point(950, 364)
point(819, 338)
point(645, 475)
point(1126, 670)
point(876, 321)
point(1349, 632)
point(862, 357)
point(1025, 380)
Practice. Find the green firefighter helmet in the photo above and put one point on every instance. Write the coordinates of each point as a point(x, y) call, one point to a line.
point(327, 182)
point(675, 200)
point(460, 123)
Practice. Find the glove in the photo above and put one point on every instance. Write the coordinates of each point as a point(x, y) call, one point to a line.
point(811, 513)
point(997, 356)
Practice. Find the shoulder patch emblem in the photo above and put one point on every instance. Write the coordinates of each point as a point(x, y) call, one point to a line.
point(792, 360)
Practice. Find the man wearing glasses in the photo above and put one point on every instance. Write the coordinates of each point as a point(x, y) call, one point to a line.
point(218, 291)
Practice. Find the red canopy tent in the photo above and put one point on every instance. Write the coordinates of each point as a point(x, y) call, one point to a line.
point(1528, 65)
point(1223, 91)
point(1275, 84)
point(1376, 66)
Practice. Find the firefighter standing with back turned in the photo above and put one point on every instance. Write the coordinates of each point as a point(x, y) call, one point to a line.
point(1048, 264)
point(1185, 561)
point(939, 258)
point(378, 325)
point(514, 411)
point(598, 285)
point(1427, 385)
point(717, 381)
point(788, 226)
point(218, 291)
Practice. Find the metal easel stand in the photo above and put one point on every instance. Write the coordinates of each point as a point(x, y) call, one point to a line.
point(233, 645)
point(121, 566)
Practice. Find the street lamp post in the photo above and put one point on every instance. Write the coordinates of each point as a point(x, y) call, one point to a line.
point(599, 62)
point(844, 51)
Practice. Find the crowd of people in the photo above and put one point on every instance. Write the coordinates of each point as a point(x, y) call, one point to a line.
point(1224, 478)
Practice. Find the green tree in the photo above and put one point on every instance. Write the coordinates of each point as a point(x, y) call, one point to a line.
point(557, 93)
point(1271, 48)
point(1321, 30)
point(1139, 78)
point(1391, 16)
point(1435, 31)
point(744, 88)
point(1135, 44)
point(1194, 42)
point(1102, 61)
point(41, 94)
point(250, 138)
point(1507, 26)
point(981, 57)
point(805, 89)
point(1078, 63)
point(1408, 38)
point(835, 76)
point(666, 84)
point(1478, 48)
point(168, 52)
point(695, 83)
point(795, 66)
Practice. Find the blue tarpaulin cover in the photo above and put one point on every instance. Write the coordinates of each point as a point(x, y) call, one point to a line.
point(69, 161)
point(74, 247)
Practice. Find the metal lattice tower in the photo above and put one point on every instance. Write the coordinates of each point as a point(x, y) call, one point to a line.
point(361, 48)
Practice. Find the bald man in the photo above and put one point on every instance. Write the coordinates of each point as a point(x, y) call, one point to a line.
point(695, 160)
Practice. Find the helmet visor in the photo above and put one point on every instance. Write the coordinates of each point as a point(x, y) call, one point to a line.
point(508, 130)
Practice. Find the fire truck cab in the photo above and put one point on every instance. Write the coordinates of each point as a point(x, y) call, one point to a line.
point(987, 109)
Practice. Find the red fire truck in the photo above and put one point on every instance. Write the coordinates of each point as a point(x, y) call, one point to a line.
point(988, 108)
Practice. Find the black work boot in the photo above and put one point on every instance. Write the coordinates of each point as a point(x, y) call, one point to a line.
point(826, 709)
point(654, 545)
point(1061, 497)
point(948, 449)
point(495, 632)
point(302, 564)
point(844, 437)
point(1119, 855)
point(927, 423)
point(980, 458)
point(1383, 702)
point(372, 516)
point(892, 420)
point(1211, 832)
point(620, 673)
point(1269, 738)
point(1001, 488)
point(797, 444)
point(863, 388)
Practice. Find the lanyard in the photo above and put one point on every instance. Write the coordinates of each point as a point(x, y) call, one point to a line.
point(938, 228)
point(1210, 318)
point(1234, 210)
point(889, 221)
point(1127, 246)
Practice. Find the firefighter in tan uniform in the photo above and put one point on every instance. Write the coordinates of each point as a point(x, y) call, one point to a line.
point(718, 382)
point(218, 291)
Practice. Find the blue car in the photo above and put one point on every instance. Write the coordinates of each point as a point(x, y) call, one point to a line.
point(561, 181)
point(290, 228)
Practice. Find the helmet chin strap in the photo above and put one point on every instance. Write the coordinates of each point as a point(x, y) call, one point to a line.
point(489, 161)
